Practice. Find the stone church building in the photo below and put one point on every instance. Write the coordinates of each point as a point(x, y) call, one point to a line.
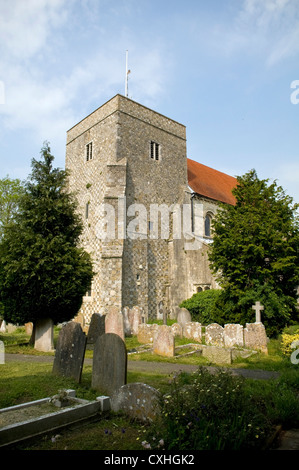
point(146, 208)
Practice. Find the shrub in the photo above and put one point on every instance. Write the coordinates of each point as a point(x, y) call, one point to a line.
point(286, 343)
point(205, 411)
point(202, 306)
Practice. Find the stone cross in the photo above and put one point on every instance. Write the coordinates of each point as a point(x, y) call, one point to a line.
point(258, 308)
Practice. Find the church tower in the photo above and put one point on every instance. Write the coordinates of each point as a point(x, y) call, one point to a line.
point(125, 161)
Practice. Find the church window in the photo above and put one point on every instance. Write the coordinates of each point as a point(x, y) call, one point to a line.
point(208, 221)
point(155, 151)
point(89, 151)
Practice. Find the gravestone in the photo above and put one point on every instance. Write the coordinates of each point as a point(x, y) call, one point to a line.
point(2, 353)
point(217, 354)
point(136, 318)
point(96, 328)
point(233, 335)
point(127, 325)
point(109, 367)
point(192, 330)
point(255, 337)
point(137, 400)
point(70, 351)
point(214, 334)
point(114, 322)
point(177, 329)
point(183, 316)
point(43, 339)
point(146, 333)
point(163, 343)
point(258, 308)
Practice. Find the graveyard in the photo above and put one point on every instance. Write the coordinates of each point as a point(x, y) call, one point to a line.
point(99, 366)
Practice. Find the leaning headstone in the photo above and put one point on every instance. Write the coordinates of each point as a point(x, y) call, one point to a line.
point(214, 335)
point(137, 400)
point(163, 343)
point(70, 351)
point(43, 338)
point(192, 330)
point(96, 328)
point(114, 322)
point(183, 316)
point(233, 335)
point(109, 368)
point(255, 337)
point(146, 332)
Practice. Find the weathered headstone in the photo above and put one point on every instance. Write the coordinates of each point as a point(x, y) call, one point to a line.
point(28, 328)
point(163, 343)
point(135, 318)
point(146, 332)
point(177, 329)
point(3, 326)
point(96, 328)
point(137, 400)
point(217, 354)
point(43, 339)
point(114, 322)
point(214, 334)
point(109, 368)
point(70, 351)
point(2, 352)
point(183, 316)
point(233, 335)
point(192, 330)
point(258, 308)
point(127, 325)
point(255, 337)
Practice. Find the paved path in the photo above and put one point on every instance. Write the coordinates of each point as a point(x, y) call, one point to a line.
point(151, 367)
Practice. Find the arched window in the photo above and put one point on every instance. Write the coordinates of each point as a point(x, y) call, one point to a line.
point(208, 222)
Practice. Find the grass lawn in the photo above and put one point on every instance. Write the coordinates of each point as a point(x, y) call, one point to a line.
point(26, 381)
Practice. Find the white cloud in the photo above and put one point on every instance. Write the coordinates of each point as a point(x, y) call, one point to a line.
point(25, 25)
point(265, 28)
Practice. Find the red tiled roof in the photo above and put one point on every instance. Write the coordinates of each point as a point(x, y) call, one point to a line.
point(210, 183)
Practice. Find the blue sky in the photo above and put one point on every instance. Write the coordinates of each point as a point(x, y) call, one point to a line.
point(223, 68)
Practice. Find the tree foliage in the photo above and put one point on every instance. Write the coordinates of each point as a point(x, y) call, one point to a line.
point(255, 251)
point(11, 191)
point(43, 272)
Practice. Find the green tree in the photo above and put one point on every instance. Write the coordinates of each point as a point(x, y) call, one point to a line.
point(43, 272)
point(255, 252)
point(10, 192)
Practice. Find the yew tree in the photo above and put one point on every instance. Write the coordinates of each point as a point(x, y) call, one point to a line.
point(255, 253)
point(43, 271)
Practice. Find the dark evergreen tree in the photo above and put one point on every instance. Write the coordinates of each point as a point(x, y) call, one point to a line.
point(43, 272)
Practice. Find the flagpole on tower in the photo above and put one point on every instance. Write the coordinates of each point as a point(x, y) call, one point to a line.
point(127, 75)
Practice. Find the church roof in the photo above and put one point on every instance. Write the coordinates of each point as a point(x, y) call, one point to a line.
point(210, 183)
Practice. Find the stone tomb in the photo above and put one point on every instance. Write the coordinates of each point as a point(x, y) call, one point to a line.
point(109, 368)
point(70, 351)
point(137, 400)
